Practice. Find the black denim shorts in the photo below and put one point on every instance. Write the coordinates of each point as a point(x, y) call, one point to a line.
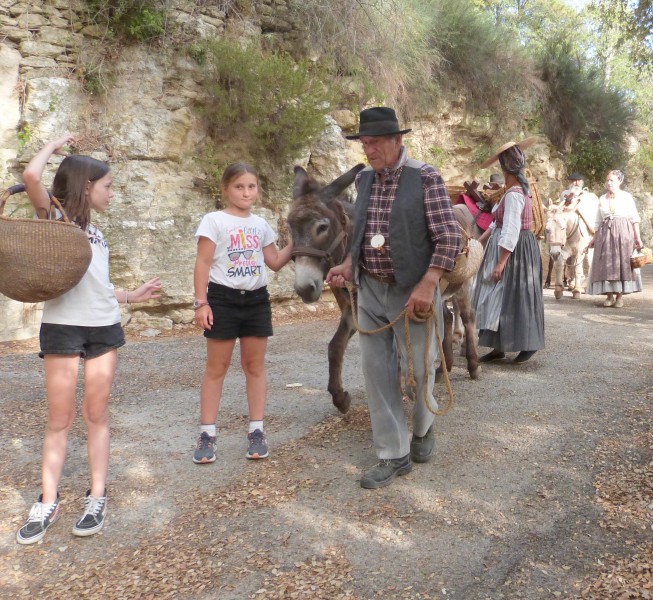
point(239, 313)
point(87, 342)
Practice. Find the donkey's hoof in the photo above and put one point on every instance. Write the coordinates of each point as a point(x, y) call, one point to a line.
point(475, 372)
point(342, 401)
point(558, 293)
point(575, 294)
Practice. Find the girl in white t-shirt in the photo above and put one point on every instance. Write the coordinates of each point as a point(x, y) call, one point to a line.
point(232, 302)
point(82, 323)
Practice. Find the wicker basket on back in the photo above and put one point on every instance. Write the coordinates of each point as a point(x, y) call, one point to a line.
point(539, 221)
point(454, 191)
point(40, 259)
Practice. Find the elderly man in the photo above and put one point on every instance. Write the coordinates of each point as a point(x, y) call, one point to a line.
point(405, 236)
point(575, 190)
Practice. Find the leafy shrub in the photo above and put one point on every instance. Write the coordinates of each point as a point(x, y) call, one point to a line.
point(578, 106)
point(24, 135)
point(594, 158)
point(642, 161)
point(408, 53)
point(145, 25)
point(380, 47)
point(479, 59)
point(269, 102)
point(142, 20)
point(92, 80)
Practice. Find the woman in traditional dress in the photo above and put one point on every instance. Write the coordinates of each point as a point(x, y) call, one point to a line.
point(617, 235)
point(508, 291)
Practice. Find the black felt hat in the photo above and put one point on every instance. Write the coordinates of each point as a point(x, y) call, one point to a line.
point(575, 176)
point(377, 121)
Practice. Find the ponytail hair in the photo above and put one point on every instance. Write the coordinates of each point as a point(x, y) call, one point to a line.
point(70, 183)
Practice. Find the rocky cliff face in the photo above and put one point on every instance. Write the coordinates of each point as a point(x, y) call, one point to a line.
point(145, 125)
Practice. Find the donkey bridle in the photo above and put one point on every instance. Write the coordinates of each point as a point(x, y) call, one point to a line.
point(326, 255)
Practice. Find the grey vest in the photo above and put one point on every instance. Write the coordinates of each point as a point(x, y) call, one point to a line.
point(409, 236)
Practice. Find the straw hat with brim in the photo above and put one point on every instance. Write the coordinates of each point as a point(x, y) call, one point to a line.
point(467, 264)
point(378, 121)
point(524, 144)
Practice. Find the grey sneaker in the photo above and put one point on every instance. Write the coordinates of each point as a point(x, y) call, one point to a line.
point(95, 509)
point(258, 445)
point(385, 471)
point(41, 516)
point(205, 451)
point(421, 448)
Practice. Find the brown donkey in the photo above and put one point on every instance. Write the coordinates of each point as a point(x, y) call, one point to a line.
point(320, 225)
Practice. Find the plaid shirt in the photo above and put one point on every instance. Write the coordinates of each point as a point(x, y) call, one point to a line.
point(441, 221)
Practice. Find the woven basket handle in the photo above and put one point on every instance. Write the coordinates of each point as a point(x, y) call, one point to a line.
point(19, 188)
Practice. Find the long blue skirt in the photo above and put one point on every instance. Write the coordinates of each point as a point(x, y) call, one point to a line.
point(510, 313)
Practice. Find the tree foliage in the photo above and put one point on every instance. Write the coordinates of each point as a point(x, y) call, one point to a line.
point(578, 102)
point(625, 26)
point(272, 103)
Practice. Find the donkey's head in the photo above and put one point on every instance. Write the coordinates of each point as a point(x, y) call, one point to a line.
point(555, 231)
point(320, 226)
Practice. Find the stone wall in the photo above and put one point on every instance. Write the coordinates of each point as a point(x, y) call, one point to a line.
point(146, 126)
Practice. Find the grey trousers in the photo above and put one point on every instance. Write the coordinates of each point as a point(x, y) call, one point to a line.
point(382, 355)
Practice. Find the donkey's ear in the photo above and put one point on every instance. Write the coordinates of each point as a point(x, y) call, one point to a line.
point(300, 179)
point(336, 187)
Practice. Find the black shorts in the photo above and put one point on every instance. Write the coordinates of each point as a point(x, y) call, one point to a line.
point(87, 342)
point(239, 313)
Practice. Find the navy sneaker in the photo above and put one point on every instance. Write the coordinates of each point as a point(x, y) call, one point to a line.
point(41, 516)
point(95, 510)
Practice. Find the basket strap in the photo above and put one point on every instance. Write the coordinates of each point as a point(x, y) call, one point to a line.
point(3, 200)
point(58, 206)
point(14, 189)
point(18, 188)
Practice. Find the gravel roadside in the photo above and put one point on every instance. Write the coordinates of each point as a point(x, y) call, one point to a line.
point(542, 486)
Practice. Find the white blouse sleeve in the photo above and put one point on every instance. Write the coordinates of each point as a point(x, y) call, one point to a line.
point(599, 215)
point(631, 208)
point(514, 206)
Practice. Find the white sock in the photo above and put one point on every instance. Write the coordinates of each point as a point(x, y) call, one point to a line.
point(255, 425)
point(210, 429)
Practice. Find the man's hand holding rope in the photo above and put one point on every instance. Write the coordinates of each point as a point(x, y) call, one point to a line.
point(421, 298)
point(339, 275)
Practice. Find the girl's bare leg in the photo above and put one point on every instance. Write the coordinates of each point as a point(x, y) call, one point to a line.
point(252, 358)
point(218, 358)
point(61, 386)
point(99, 373)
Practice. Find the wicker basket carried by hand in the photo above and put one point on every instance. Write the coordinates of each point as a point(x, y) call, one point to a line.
point(40, 259)
point(641, 258)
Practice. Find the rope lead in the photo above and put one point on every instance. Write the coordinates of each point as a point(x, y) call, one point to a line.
point(428, 317)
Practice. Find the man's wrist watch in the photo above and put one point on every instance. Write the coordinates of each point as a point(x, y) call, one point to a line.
point(199, 303)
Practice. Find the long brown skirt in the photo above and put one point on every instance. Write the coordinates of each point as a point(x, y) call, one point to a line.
point(611, 271)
